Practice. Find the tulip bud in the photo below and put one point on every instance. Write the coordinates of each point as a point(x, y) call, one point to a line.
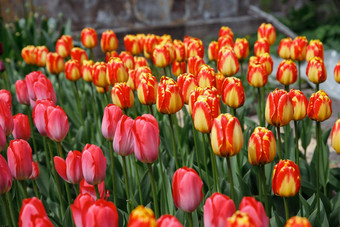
point(6, 120)
point(99, 74)
point(102, 90)
point(286, 179)
point(93, 164)
point(186, 83)
point(286, 72)
point(123, 138)
point(39, 116)
point(142, 216)
point(6, 97)
point(22, 92)
point(111, 54)
point(79, 54)
point(194, 94)
point(261, 46)
point(35, 171)
point(225, 41)
point(101, 213)
point(147, 89)
point(300, 104)
point(316, 70)
point(257, 75)
point(21, 128)
point(233, 92)
point(227, 62)
point(172, 51)
point(57, 125)
point(80, 206)
point(54, 63)
point(337, 72)
point(39, 87)
point(168, 220)
point(335, 136)
point(5, 176)
point(178, 68)
point(195, 48)
point(40, 55)
point(122, 95)
point(241, 48)
point(88, 37)
point(213, 51)
point(261, 147)
point(217, 209)
point(314, 49)
point(206, 76)
point(19, 156)
point(319, 106)
point(267, 60)
point(141, 40)
point(116, 72)
point(194, 64)
point(240, 218)
point(279, 108)
point(267, 31)
point(140, 61)
point(187, 189)
point(109, 41)
point(151, 41)
point(85, 188)
point(127, 59)
point(87, 70)
point(225, 30)
point(219, 77)
point(112, 114)
point(32, 213)
point(255, 210)
point(64, 46)
point(28, 54)
point(132, 45)
point(72, 70)
point(161, 56)
point(284, 48)
point(298, 48)
point(70, 169)
point(134, 76)
point(297, 221)
point(169, 99)
point(179, 50)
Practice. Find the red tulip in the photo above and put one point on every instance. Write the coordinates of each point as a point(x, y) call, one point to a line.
point(109, 41)
point(6, 97)
point(168, 220)
point(79, 54)
point(284, 48)
point(73, 70)
point(93, 164)
point(101, 213)
point(112, 114)
point(219, 82)
point(147, 89)
point(64, 46)
point(127, 59)
point(187, 189)
point(21, 128)
point(22, 92)
point(57, 125)
point(89, 38)
point(84, 188)
point(178, 68)
point(6, 120)
point(255, 210)
point(123, 139)
point(132, 45)
point(40, 55)
point(39, 116)
point(169, 99)
point(122, 95)
point(267, 31)
point(217, 209)
point(5, 176)
point(19, 155)
point(146, 138)
point(32, 213)
point(3, 140)
point(142, 217)
point(35, 171)
point(80, 206)
point(71, 168)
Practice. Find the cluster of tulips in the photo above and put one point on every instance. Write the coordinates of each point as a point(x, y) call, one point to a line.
point(189, 80)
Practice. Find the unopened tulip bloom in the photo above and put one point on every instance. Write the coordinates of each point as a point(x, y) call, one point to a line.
point(314, 49)
point(141, 40)
point(39, 87)
point(298, 48)
point(219, 77)
point(206, 76)
point(40, 55)
point(195, 48)
point(171, 49)
point(267, 60)
point(21, 128)
point(87, 70)
point(194, 94)
point(337, 72)
point(116, 72)
point(316, 70)
point(267, 31)
point(286, 179)
point(127, 59)
point(80, 206)
point(132, 45)
point(319, 106)
point(54, 63)
point(6, 120)
point(79, 54)
point(89, 38)
point(150, 42)
point(169, 99)
point(168, 220)
point(109, 41)
point(73, 70)
point(85, 188)
point(261, 146)
point(287, 72)
point(142, 216)
point(213, 51)
point(225, 41)
point(217, 208)
point(39, 116)
point(140, 61)
point(193, 65)
point(241, 48)
point(28, 54)
point(93, 164)
point(240, 218)
point(161, 56)
point(279, 108)
point(232, 92)
point(146, 128)
point(122, 95)
point(124, 138)
point(99, 74)
point(6, 97)
point(32, 213)
point(179, 50)
point(101, 213)
point(261, 46)
point(57, 125)
point(227, 62)
point(300, 104)
point(111, 54)
point(255, 210)
point(64, 46)
point(257, 75)
point(225, 30)
point(70, 169)
point(135, 75)
point(147, 89)
point(22, 92)
point(335, 136)
point(297, 221)
point(35, 171)
point(187, 189)
point(186, 83)
point(5, 176)
point(284, 48)
point(19, 155)
point(112, 114)
point(178, 68)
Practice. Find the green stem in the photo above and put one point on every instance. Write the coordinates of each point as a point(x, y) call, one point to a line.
point(68, 193)
point(95, 106)
point(214, 166)
point(286, 128)
point(35, 189)
point(24, 186)
point(151, 110)
point(153, 186)
point(263, 176)
point(178, 137)
point(59, 90)
point(259, 182)
point(260, 106)
point(47, 157)
point(233, 112)
point(76, 190)
point(316, 87)
point(287, 88)
point(76, 91)
point(263, 105)
point(113, 172)
point(91, 54)
point(318, 168)
point(7, 215)
point(205, 162)
point(60, 150)
point(296, 143)
point(173, 141)
point(286, 208)
point(32, 133)
point(232, 192)
point(164, 187)
point(10, 205)
point(138, 180)
point(97, 191)
point(196, 150)
point(279, 142)
point(299, 65)
point(126, 184)
point(190, 221)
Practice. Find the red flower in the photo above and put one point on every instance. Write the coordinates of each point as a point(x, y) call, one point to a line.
point(112, 114)
point(35, 171)
point(57, 125)
point(22, 92)
point(70, 169)
point(84, 188)
point(123, 139)
point(109, 41)
point(5, 176)
point(93, 164)
point(79, 54)
point(6, 120)
point(168, 220)
point(32, 213)
point(255, 211)
point(38, 115)
point(22, 128)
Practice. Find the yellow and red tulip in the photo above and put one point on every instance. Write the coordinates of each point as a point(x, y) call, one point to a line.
point(213, 51)
point(337, 72)
point(142, 216)
point(225, 30)
point(319, 106)
point(186, 83)
point(287, 72)
point(314, 49)
point(28, 54)
point(116, 72)
point(169, 97)
point(72, 70)
point(261, 146)
point(40, 55)
point(193, 65)
point(178, 68)
point(300, 104)
point(140, 61)
point(195, 48)
point(267, 60)
point(206, 76)
point(87, 70)
point(132, 44)
point(232, 92)
point(297, 221)
point(54, 63)
point(79, 54)
point(316, 70)
point(147, 89)
point(257, 74)
point(284, 48)
point(240, 218)
point(150, 42)
point(128, 59)
point(122, 95)
point(89, 38)
point(225, 41)
point(267, 31)
point(261, 46)
point(179, 50)
point(298, 48)
point(99, 74)
point(109, 41)
point(241, 48)
point(335, 136)
point(227, 62)
point(64, 46)
point(161, 56)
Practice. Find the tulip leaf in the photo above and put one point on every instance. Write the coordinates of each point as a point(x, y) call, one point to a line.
point(305, 132)
point(276, 220)
point(42, 180)
point(68, 217)
point(304, 206)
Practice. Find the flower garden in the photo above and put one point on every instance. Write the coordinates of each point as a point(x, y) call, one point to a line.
point(164, 133)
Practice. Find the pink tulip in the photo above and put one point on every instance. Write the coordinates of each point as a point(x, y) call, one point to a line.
point(168, 220)
point(6, 120)
point(22, 128)
point(123, 139)
point(84, 187)
point(101, 213)
point(30, 79)
point(93, 164)
point(57, 125)
point(38, 115)
point(35, 171)
point(146, 138)
point(5, 176)
point(32, 213)
point(19, 156)
point(6, 97)
point(22, 92)
point(80, 206)
point(255, 211)
point(70, 170)
point(112, 114)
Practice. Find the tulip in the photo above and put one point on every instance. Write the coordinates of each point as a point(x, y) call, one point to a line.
point(232, 92)
point(178, 68)
point(99, 78)
point(19, 155)
point(101, 213)
point(337, 72)
point(217, 209)
point(6, 120)
point(54, 63)
point(225, 41)
point(255, 211)
point(195, 48)
point(89, 38)
point(79, 54)
point(22, 92)
point(319, 106)
point(187, 189)
point(206, 76)
point(3, 139)
point(127, 59)
point(297, 221)
point(80, 206)
point(5, 176)
point(72, 70)
point(261, 46)
point(21, 128)
point(116, 72)
point(227, 62)
point(179, 50)
point(151, 41)
point(314, 49)
point(57, 125)
point(225, 30)
point(186, 83)
point(194, 94)
point(6, 97)
point(32, 213)
point(39, 116)
point(35, 171)
point(87, 70)
point(39, 87)
point(123, 138)
point(109, 41)
point(213, 51)
point(241, 48)
point(64, 46)
point(267, 31)
point(298, 48)
point(284, 48)
point(70, 169)
point(142, 216)
point(300, 103)
point(147, 89)
point(85, 188)
point(28, 54)
point(194, 64)
point(287, 72)
point(316, 71)
point(132, 45)
point(135, 75)
point(335, 136)
point(140, 61)
point(161, 56)
point(111, 54)
point(168, 220)
point(141, 40)
point(93, 164)
point(40, 55)
point(261, 146)
point(171, 49)
point(240, 218)
point(169, 99)
point(112, 115)
point(122, 95)
point(267, 60)
point(219, 77)
point(146, 128)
